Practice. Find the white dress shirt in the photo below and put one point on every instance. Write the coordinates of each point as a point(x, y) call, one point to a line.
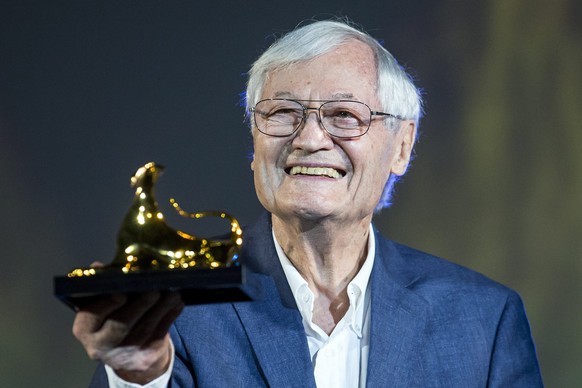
point(339, 360)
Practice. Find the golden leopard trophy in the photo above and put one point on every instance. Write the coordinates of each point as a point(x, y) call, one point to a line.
point(151, 255)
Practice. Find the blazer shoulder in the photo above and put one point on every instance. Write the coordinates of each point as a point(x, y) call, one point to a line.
point(435, 278)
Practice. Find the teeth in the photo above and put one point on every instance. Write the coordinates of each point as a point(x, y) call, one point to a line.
point(321, 171)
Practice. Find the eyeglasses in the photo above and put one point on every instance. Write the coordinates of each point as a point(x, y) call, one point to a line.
point(281, 117)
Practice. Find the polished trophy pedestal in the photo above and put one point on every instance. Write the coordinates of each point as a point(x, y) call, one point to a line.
point(151, 256)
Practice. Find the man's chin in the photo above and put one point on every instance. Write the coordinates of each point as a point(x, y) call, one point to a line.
point(304, 212)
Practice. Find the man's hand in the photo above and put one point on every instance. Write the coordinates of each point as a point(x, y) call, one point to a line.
point(129, 333)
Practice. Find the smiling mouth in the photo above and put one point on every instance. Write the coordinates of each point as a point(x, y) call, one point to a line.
point(316, 171)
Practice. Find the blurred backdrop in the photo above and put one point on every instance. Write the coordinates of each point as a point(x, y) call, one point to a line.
point(91, 90)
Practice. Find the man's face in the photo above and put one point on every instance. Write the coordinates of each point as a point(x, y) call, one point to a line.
point(364, 164)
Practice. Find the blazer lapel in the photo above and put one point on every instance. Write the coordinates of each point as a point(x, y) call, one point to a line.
point(398, 320)
point(272, 322)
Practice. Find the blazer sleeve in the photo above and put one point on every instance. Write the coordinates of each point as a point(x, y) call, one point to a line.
point(513, 359)
point(99, 379)
point(182, 375)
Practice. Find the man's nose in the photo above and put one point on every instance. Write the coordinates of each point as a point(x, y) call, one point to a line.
point(312, 136)
point(312, 112)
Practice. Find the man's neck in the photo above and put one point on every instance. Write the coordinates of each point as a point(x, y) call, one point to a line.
point(328, 256)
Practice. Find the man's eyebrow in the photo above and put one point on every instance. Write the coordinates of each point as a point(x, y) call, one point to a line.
point(283, 95)
point(342, 96)
point(335, 96)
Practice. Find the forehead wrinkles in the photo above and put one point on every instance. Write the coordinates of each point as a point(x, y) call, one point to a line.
point(357, 60)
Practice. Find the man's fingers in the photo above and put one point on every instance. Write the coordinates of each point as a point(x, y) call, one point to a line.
point(91, 315)
point(164, 325)
point(166, 309)
point(120, 322)
point(134, 324)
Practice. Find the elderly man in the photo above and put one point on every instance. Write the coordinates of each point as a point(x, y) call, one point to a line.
point(335, 304)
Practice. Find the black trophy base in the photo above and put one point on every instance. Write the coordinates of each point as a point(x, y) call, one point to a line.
point(196, 286)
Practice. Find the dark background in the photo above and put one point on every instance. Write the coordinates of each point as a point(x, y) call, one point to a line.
point(91, 90)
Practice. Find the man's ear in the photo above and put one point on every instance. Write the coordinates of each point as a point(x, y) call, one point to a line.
point(253, 162)
point(404, 139)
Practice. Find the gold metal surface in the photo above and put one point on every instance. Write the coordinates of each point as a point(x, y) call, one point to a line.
point(146, 242)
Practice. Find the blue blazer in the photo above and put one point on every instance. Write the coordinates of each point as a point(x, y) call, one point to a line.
point(433, 324)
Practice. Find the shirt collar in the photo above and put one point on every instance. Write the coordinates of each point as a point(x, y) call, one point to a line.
point(356, 288)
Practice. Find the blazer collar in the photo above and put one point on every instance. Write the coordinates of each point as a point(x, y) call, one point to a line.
point(272, 322)
point(398, 320)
